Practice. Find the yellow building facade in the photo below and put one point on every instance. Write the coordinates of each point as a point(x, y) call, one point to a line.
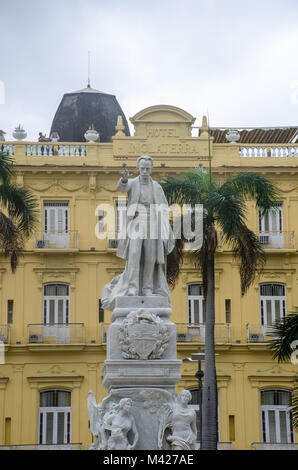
point(51, 322)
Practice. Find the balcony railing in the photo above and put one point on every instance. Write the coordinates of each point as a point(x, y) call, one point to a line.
point(277, 239)
point(112, 243)
point(272, 151)
point(9, 148)
point(56, 333)
point(195, 333)
point(56, 240)
point(258, 333)
point(43, 447)
point(5, 334)
point(55, 149)
point(268, 239)
point(273, 446)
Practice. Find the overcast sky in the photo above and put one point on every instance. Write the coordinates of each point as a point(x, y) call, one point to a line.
point(235, 60)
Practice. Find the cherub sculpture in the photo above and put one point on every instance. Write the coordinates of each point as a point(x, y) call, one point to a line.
point(112, 424)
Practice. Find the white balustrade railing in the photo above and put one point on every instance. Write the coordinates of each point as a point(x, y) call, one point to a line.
point(253, 152)
point(52, 150)
point(7, 148)
point(272, 151)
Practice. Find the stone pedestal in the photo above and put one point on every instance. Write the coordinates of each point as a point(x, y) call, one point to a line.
point(141, 362)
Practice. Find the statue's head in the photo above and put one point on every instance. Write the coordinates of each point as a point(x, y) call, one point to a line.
point(185, 396)
point(125, 404)
point(144, 165)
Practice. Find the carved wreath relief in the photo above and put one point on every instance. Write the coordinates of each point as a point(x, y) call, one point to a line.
point(143, 336)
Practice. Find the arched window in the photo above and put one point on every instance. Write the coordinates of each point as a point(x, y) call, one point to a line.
point(277, 421)
point(56, 304)
point(272, 303)
point(54, 417)
point(196, 303)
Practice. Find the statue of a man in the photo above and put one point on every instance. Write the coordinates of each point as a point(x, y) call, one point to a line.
point(148, 238)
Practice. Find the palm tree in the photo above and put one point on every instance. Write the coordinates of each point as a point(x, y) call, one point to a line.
point(225, 208)
point(17, 213)
point(283, 344)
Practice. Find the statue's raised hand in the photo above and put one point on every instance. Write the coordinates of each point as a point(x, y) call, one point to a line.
point(124, 176)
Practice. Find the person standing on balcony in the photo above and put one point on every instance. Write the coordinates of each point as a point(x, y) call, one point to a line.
point(55, 137)
point(42, 137)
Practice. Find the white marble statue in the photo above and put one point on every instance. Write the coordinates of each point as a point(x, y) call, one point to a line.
point(113, 427)
point(147, 241)
point(177, 424)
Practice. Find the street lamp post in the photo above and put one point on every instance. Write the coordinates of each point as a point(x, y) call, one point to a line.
point(199, 356)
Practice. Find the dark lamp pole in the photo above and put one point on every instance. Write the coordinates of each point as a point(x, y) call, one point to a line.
point(199, 356)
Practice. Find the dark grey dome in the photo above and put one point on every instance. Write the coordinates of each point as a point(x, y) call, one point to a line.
point(83, 108)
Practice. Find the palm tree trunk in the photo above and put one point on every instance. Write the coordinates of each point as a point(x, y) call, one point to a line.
point(209, 404)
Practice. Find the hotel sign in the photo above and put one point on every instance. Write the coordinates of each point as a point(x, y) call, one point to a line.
point(158, 141)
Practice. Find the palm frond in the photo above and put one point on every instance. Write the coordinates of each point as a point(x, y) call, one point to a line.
point(254, 186)
point(283, 333)
point(247, 249)
point(174, 262)
point(6, 167)
point(180, 191)
point(11, 240)
point(21, 206)
point(230, 213)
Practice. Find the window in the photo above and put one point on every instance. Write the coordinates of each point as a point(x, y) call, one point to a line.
point(196, 304)
point(276, 416)
point(272, 303)
point(271, 227)
point(56, 304)
point(55, 417)
point(228, 310)
point(272, 221)
point(10, 311)
point(56, 223)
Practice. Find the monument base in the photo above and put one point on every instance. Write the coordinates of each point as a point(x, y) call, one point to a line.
point(140, 373)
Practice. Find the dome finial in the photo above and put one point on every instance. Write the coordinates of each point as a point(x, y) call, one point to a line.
point(88, 85)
